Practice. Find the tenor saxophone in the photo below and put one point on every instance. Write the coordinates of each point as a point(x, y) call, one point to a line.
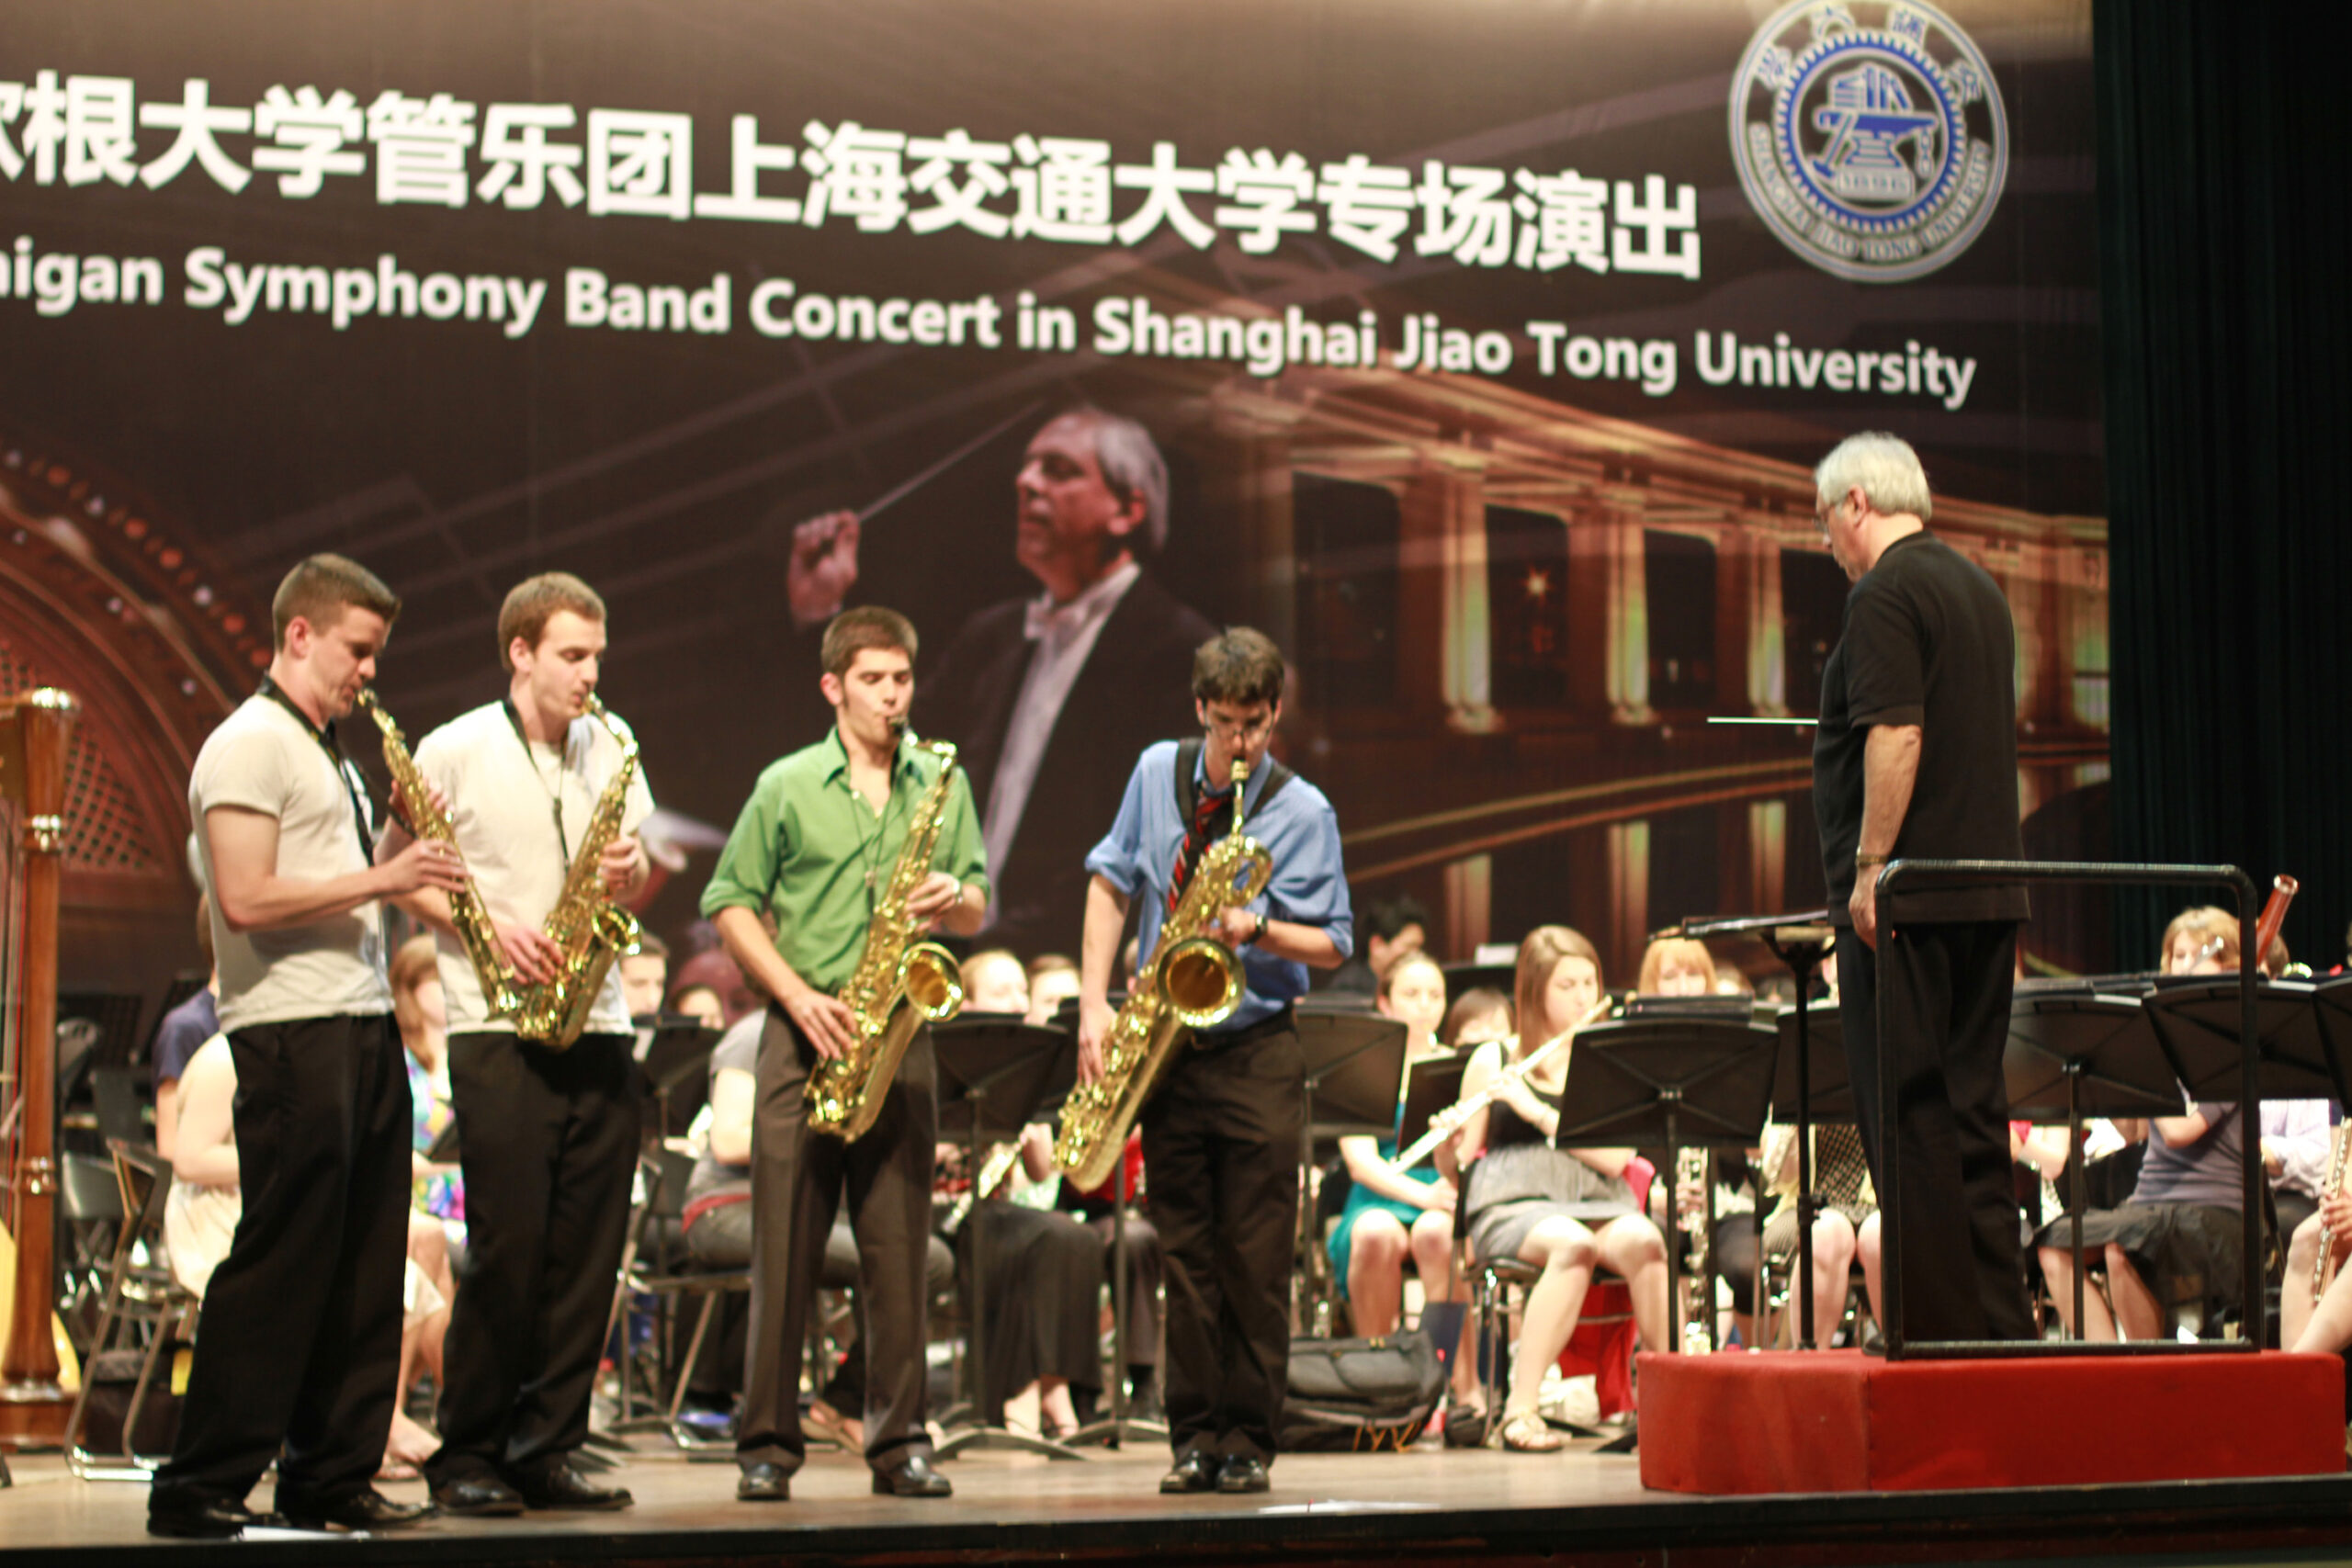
point(500, 990)
point(587, 929)
point(900, 983)
point(1192, 983)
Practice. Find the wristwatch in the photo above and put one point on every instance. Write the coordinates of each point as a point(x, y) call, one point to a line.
point(1864, 861)
point(1259, 935)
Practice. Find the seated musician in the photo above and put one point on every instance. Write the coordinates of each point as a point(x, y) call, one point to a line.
point(1569, 1211)
point(1393, 1214)
point(2184, 1221)
point(1847, 1225)
point(1042, 1269)
point(1677, 966)
point(1478, 1015)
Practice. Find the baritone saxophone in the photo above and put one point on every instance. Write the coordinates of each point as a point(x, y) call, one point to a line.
point(901, 982)
point(1193, 982)
point(501, 991)
point(587, 929)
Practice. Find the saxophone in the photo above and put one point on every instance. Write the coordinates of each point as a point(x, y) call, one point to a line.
point(900, 981)
point(1192, 983)
point(2323, 1270)
point(500, 989)
point(587, 928)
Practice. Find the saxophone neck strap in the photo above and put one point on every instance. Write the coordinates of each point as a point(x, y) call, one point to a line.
point(555, 795)
point(1188, 762)
point(324, 736)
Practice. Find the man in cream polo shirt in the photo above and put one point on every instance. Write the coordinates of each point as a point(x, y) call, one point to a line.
point(548, 1138)
point(299, 1350)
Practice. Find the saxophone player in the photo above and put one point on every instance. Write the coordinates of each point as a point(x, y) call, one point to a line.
point(814, 850)
point(1221, 1138)
point(302, 1340)
point(549, 1136)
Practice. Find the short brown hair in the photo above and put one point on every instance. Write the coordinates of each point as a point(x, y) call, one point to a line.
point(1539, 955)
point(418, 960)
point(1241, 664)
point(2210, 925)
point(533, 602)
point(1469, 1006)
point(851, 632)
point(321, 587)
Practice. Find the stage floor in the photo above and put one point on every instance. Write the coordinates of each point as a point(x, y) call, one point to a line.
point(1427, 1506)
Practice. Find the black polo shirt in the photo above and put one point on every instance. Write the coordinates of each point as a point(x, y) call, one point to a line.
point(1926, 641)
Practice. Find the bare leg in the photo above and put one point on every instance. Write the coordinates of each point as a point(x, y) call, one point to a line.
point(1021, 1410)
point(2136, 1311)
point(1833, 1265)
point(2058, 1268)
point(1566, 1252)
point(1433, 1256)
point(2295, 1303)
point(1060, 1416)
point(2329, 1326)
point(1866, 1243)
point(1376, 1249)
point(1631, 1247)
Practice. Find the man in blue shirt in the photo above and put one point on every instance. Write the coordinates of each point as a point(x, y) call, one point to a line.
point(1221, 1137)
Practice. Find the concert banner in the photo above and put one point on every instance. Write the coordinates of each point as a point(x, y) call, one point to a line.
point(1488, 348)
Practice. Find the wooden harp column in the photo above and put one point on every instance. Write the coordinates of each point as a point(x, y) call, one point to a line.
point(34, 730)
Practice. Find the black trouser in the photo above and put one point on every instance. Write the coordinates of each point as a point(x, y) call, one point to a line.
point(299, 1343)
point(1220, 1153)
point(798, 1180)
point(1949, 993)
point(548, 1143)
point(721, 1238)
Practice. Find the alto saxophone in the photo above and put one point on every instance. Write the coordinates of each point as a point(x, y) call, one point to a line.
point(1192, 983)
point(900, 981)
point(2323, 1270)
point(588, 930)
point(500, 991)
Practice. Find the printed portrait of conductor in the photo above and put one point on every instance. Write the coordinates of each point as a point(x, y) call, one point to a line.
point(1049, 697)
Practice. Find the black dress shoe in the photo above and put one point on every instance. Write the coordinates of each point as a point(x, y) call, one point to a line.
point(477, 1497)
point(1242, 1472)
point(764, 1483)
point(563, 1486)
point(368, 1510)
point(911, 1477)
point(1194, 1471)
point(189, 1516)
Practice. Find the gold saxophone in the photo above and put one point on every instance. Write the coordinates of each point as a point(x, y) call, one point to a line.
point(2324, 1272)
point(1193, 982)
point(900, 983)
point(589, 930)
point(500, 989)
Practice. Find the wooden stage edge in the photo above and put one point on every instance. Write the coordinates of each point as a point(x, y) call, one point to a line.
point(1426, 1505)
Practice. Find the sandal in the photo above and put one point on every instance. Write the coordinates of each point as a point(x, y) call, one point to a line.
point(1464, 1428)
point(1529, 1433)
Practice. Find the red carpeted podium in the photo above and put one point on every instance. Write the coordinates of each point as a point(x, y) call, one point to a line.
point(1841, 1421)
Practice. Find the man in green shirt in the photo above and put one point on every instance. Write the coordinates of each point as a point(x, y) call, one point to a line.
point(811, 852)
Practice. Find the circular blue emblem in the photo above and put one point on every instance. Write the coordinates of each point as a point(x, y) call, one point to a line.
point(1875, 151)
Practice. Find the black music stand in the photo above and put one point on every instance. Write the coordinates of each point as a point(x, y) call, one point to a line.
point(2199, 1019)
point(995, 1075)
point(1675, 1081)
point(1432, 1084)
point(2332, 1001)
point(1354, 1062)
point(674, 1050)
point(2075, 1052)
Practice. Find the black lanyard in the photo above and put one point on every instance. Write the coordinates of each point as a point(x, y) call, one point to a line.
point(555, 796)
point(343, 769)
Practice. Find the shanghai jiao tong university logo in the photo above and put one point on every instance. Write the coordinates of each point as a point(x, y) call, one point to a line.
point(1875, 152)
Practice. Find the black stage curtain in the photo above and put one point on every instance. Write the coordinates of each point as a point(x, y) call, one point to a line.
point(2226, 257)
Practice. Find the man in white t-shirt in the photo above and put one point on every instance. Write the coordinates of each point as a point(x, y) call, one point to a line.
point(298, 1355)
point(547, 1134)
